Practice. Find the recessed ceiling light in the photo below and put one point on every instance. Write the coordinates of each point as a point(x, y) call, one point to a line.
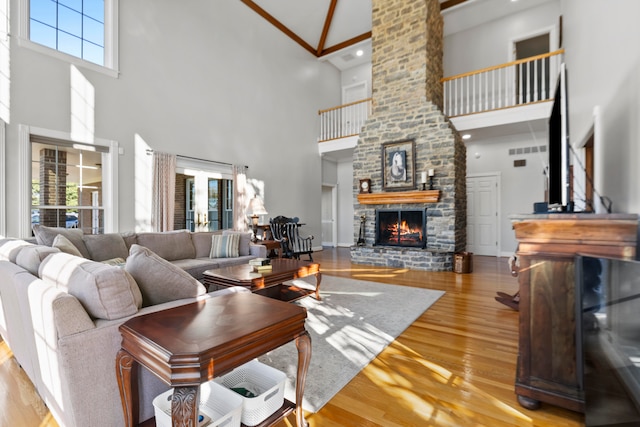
point(360, 52)
point(466, 136)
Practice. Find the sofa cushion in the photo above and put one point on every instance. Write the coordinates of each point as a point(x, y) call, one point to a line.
point(45, 235)
point(30, 257)
point(224, 246)
point(130, 238)
point(202, 242)
point(170, 245)
point(10, 248)
point(102, 247)
point(158, 279)
point(62, 243)
point(245, 241)
point(106, 292)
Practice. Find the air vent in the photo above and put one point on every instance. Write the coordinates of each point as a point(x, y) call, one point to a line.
point(348, 57)
point(528, 150)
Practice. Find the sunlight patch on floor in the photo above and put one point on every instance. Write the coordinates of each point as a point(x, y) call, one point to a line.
point(400, 387)
point(5, 352)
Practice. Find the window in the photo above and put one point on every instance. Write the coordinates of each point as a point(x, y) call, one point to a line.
point(75, 27)
point(66, 185)
point(83, 29)
point(219, 204)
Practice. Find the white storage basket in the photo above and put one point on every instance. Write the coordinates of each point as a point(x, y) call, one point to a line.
point(267, 384)
point(221, 405)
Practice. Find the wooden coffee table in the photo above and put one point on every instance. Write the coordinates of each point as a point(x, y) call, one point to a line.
point(268, 283)
point(193, 343)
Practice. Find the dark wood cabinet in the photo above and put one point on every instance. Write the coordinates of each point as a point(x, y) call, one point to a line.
point(548, 360)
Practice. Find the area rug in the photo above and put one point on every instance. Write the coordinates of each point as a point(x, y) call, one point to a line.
point(349, 327)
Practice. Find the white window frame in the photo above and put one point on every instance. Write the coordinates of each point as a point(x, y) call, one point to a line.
point(3, 181)
point(109, 174)
point(110, 66)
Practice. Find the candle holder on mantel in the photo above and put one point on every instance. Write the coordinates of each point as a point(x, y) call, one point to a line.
point(431, 174)
point(423, 180)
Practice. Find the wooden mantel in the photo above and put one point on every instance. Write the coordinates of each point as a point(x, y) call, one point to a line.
point(398, 197)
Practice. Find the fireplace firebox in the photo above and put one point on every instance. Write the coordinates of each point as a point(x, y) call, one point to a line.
point(401, 227)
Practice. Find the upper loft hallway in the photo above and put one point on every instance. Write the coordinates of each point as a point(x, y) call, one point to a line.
point(510, 98)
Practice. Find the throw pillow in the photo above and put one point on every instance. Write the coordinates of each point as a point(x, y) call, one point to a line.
point(224, 246)
point(169, 245)
point(32, 256)
point(105, 292)
point(158, 279)
point(45, 235)
point(245, 241)
point(105, 246)
point(65, 245)
point(10, 248)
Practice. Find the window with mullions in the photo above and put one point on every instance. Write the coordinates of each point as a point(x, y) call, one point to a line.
point(66, 185)
point(75, 27)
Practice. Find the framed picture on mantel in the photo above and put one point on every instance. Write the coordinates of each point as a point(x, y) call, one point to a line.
point(399, 165)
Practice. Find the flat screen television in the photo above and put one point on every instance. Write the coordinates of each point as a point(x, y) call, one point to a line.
point(559, 149)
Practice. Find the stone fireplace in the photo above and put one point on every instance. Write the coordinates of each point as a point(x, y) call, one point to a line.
point(407, 105)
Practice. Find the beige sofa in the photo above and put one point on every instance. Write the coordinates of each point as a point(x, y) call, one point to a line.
point(60, 313)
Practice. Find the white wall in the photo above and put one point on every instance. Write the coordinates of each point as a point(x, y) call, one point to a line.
point(491, 43)
point(345, 203)
point(206, 79)
point(340, 173)
point(360, 73)
point(521, 187)
point(603, 63)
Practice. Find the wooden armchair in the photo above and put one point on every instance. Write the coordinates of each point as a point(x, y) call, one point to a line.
point(279, 234)
point(298, 245)
point(287, 231)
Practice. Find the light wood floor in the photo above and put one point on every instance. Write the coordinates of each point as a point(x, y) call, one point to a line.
point(454, 366)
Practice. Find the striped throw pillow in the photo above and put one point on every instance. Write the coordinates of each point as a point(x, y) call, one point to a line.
point(225, 246)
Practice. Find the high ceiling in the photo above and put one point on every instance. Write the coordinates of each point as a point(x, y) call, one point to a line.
point(335, 30)
point(326, 28)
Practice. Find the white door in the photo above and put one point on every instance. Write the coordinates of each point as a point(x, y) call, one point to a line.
point(329, 225)
point(352, 93)
point(482, 215)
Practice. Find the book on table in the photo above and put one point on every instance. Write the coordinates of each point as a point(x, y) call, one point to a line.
point(260, 262)
point(262, 268)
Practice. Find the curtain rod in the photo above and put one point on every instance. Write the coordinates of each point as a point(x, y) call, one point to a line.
point(150, 151)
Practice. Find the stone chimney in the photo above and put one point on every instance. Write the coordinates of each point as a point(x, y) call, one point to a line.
point(407, 38)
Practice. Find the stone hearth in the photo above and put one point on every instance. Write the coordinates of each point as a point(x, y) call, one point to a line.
point(407, 94)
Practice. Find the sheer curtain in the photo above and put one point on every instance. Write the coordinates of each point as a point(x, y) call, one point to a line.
point(240, 199)
point(164, 190)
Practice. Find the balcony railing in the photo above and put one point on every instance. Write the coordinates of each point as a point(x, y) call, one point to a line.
point(517, 83)
point(343, 121)
point(513, 84)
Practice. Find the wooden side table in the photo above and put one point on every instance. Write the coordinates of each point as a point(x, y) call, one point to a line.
point(188, 345)
point(272, 245)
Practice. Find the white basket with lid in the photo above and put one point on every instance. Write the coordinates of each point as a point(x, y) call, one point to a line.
point(265, 382)
point(219, 406)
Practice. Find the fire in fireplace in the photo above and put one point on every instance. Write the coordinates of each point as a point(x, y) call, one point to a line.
point(401, 227)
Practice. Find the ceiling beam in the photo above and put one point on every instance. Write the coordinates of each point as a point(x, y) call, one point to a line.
point(450, 3)
point(327, 25)
point(346, 43)
point(279, 25)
